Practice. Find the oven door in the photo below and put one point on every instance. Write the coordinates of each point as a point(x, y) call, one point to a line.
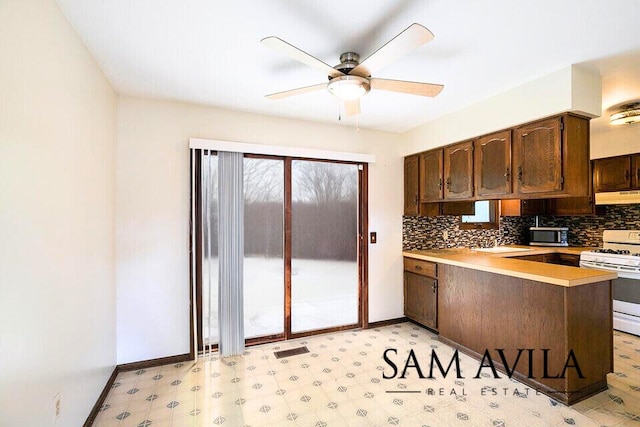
point(626, 298)
point(626, 304)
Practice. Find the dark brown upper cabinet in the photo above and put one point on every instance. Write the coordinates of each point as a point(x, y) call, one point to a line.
point(458, 171)
point(570, 206)
point(551, 158)
point(518, 207)
point(546, 159)
point(411, 185)
point(538, 157)
point(616, 173)
point(635, 163)
point(493, 165)
point(431, 176)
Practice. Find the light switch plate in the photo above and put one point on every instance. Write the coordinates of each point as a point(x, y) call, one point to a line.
point(373, 237)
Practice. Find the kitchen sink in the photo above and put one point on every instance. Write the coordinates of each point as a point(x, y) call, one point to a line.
point(501, 249)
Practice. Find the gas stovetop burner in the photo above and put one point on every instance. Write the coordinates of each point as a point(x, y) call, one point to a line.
point(614, 251)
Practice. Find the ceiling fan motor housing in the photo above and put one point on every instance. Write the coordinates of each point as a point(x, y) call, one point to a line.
point(348, 61)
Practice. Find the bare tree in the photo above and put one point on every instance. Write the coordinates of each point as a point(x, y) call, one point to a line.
point(325, 183)
point(263, 180)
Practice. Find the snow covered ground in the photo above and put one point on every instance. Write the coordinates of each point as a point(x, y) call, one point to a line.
point(324, 294)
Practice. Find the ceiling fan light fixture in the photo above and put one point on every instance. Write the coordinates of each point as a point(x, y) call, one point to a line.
point(349, 88)
point(628, 114)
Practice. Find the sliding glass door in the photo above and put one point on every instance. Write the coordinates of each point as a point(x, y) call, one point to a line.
point(303, 268)
point(263, 247)
point(324, 245)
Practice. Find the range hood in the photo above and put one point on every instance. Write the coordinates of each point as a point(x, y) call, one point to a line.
point(618, 198)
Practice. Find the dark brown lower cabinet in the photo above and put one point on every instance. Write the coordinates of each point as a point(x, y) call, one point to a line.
point(488, 313)
point(421, 292)
point(535, 258)
point(553, 258)
point(567, 259)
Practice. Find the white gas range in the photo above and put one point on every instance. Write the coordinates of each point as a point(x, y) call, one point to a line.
point(620, 253)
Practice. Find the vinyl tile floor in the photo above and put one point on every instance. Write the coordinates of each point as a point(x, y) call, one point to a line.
point(339, 382)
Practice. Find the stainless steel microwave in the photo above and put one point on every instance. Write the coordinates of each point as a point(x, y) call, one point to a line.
point(548, 236)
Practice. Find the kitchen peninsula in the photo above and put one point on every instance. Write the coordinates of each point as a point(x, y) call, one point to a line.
point(560, 316)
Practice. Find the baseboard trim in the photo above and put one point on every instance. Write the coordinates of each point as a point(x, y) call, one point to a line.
point(435, 331)
point(151, 363)
point(105, 391)
point(387, 322)
point(126, 367)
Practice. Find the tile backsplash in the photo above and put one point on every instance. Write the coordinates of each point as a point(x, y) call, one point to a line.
point(427, 232)
point(587, 230)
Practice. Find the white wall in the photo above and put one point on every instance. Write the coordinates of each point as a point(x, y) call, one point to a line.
point(57, 284)
point(569, 89)
point(153, 212)
point(608, 140)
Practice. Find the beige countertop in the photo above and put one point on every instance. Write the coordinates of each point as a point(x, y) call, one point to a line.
point(501, 263)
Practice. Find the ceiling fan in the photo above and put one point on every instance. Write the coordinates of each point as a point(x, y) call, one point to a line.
point(351, 79)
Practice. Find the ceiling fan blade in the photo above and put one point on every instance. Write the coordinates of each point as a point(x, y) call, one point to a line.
point(301, 56)
point(352, 108)
point(413, 88)
point(411, 38)
point(298, 91)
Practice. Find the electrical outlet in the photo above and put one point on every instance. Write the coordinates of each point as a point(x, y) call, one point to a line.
point(445, 235)
point(56, 407)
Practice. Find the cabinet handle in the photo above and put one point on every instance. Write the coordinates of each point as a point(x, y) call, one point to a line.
point(626, 175)
point(418, 268)
point(506, 173)
point(520, 174)
point(449, 184)
point(434, 287)
point(440, 181)
point(415, 199)
point(638, 174)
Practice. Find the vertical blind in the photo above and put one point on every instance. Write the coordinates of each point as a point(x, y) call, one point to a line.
point(222, 247)
point(231, 253)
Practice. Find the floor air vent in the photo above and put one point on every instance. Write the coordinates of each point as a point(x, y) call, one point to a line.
point(291, 352)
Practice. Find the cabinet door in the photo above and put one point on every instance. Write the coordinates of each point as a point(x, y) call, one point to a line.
point(537, 155)
point(517, 207)
point(411, 180)
point(612, 174)
point(431, 181)
point(568, 259)
point(635, 162)
point(420, 299)
point(493, 164)
point(458, 171)
point(570, 206)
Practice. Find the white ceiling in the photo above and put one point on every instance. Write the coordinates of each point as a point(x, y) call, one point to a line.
point(209, 52)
